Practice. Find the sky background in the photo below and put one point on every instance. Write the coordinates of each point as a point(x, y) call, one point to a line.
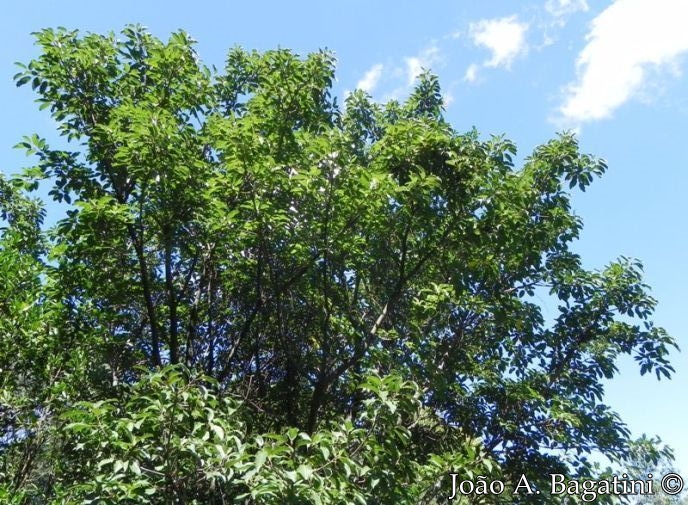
point(614, 71)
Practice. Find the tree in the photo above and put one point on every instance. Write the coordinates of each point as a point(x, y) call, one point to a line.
point(648, 456)
point(363, 275)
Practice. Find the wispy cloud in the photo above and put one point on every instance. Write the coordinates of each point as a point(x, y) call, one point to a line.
point(562, 8)
point(394, 80)
point(471, 74)
point(371, 78)
point(558, 13)
point(505, 38)
point(625, 43)
point(423, 60)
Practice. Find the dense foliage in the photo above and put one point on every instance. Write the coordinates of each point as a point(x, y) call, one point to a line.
point(259, 296)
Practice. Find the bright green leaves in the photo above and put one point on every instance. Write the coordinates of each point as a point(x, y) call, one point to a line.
point(281, 92)
point(562, 159)
point(30, 344)
point(82, 78)
point(426, 98)
point(21, 218)
point(167, 436)
point(172, 436)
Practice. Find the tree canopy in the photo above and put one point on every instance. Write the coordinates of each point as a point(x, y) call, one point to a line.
point(258, 295)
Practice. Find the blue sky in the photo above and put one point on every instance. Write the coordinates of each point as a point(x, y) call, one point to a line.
point(612, 70)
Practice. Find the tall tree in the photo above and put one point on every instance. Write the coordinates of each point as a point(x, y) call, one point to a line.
point(648, 456)
point(243, 225)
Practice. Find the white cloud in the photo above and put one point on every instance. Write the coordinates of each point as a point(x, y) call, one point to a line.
point(369, 81)
point(504, 37)
point(563, 8)
point(422, 61)
point(559, 11)
point(471, 74)
point(414, 67)
point(627, 41)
